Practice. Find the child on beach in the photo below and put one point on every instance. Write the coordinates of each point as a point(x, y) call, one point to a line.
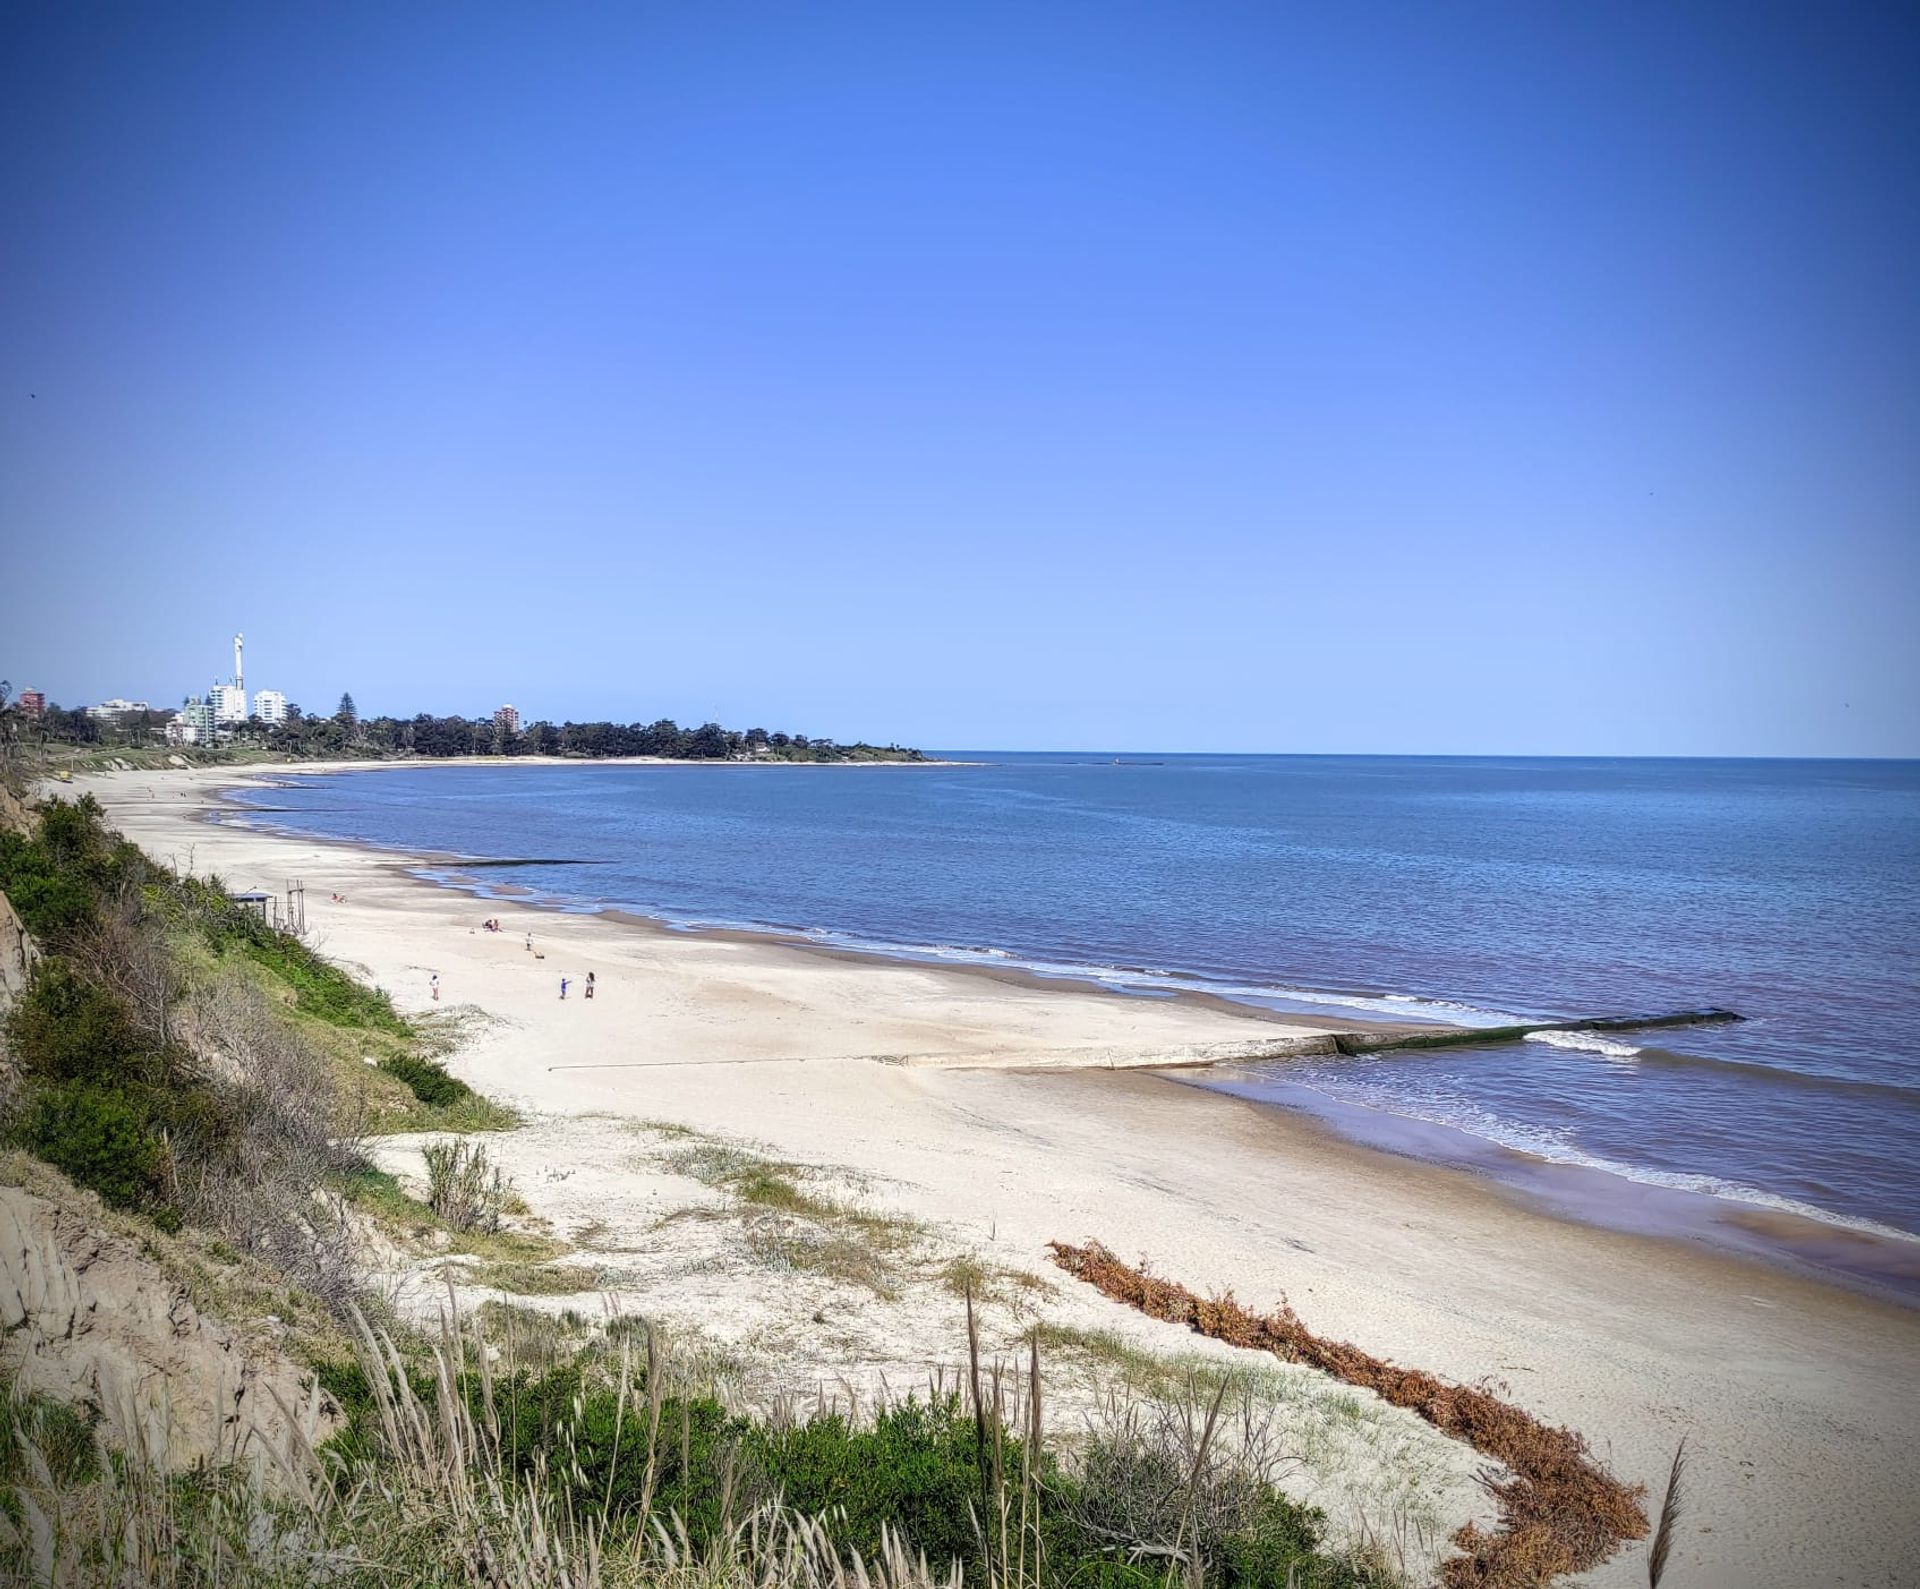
point(436, 987)
point(589, 984)
point(563, 987)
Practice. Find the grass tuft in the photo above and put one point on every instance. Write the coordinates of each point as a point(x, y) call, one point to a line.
point(791, 1227)
point(536, 1279)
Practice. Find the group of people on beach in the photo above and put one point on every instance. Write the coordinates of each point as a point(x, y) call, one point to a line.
point(433, 981)
point(492, 924)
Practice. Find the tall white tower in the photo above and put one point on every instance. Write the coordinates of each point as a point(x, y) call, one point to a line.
point(229, 701)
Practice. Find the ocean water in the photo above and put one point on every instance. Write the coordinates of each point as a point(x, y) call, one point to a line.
point(1472, 890)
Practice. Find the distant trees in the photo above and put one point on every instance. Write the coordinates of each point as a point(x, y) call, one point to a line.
point(439, 737)
point(347, 733)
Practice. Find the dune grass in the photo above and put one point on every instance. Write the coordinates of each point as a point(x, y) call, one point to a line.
point(511, 1453)
point(405, 1218)
point(790, 1225)
point(536, 1280)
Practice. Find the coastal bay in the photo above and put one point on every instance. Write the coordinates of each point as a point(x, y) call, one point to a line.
point(1797, 1397)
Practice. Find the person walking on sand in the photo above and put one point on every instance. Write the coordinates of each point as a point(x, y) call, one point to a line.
point(589, 984)
point(563, 987)
point(436, 987)
point(529, 943)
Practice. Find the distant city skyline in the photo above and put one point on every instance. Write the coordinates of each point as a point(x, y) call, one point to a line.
point(376, 702)
point(1525, 380)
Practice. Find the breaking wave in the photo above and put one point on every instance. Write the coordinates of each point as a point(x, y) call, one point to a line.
point(1586, 1043)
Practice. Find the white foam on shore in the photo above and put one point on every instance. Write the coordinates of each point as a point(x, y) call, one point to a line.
point(1141, 980)
point(1554, 1147)
point(1724, 1191)
point(1157, 983)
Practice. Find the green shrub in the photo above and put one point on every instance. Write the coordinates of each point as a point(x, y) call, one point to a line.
point(57, 877)
point(690, 1456)
point(70, 830)
point(100, 1137)
point(65, 1028)
point(430, 1083)
point(465, 1190)
point(916, 1468)
point(51, 901)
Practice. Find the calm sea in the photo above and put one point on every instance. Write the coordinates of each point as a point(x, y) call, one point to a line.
point(1460, 889)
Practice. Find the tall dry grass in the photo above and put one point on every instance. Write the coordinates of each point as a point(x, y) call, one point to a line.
point(287, 1143)
point(465, 1189)
point(435, 1491)
point(440, 1507)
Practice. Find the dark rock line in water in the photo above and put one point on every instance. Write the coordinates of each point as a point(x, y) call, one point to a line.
point(1353, 1043)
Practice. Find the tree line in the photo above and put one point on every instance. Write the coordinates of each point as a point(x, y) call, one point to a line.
point(346, 733)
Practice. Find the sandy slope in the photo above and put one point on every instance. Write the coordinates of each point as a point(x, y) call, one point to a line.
point(1802, 1403)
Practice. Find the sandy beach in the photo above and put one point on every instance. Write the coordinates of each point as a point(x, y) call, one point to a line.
point(1004, 1114)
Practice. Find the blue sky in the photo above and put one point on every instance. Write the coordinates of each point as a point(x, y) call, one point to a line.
point(1377, 378)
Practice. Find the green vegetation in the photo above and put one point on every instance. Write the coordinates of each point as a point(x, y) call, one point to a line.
point(104, 1087)
point(379, 1194)
point(429, 1082)
point(536, 1280)
point(647, 1453)
point(197, 1069)
point(347, 734)
point(790, 1227)
point(53, 1431)
point(320, 988)
point(103, 1139)
point(465, 1190)
point(58, 876)
point(105, 1100)
point(67, 1028)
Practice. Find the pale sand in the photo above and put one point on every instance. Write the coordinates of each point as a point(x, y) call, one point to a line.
point(1801, 1402)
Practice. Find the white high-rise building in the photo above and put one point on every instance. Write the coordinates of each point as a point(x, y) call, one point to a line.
point(270, 706)
point(229, 703)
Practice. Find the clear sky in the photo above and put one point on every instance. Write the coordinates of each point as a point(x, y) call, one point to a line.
point(1471, 378)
